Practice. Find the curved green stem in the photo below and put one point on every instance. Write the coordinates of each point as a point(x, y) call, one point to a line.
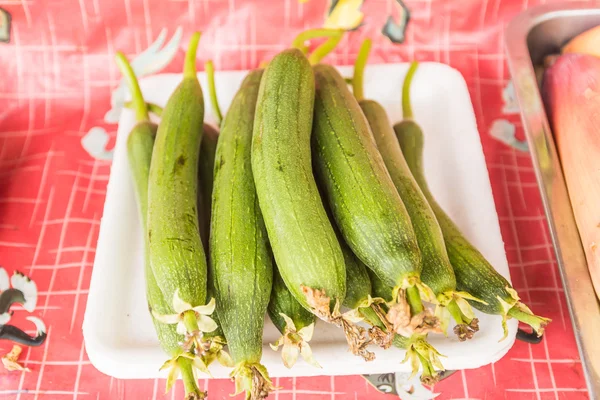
point(406, 106)
point(212, 91)
point(327, 47)
point(537, 323)
point(359, 69)
point(300, 40)
point(190, 385)
point(414, 300)
point(189, 66)
point(139, 105)
point(152, 108)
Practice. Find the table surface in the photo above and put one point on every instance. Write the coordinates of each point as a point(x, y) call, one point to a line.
point(57, 77)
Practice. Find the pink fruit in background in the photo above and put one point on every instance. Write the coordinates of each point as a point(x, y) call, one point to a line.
point(571, 90)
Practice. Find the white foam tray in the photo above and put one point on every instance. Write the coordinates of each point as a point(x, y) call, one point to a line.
point(119, 335)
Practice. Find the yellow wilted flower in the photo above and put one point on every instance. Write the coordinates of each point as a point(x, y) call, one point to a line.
point(345, 15)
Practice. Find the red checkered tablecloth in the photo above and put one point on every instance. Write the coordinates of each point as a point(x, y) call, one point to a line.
point(56, 78)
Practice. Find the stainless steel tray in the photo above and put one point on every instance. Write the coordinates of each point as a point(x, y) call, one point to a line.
point(529, 38)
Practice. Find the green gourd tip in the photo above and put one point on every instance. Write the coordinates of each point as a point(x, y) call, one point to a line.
point(189, 68)
point(139, 105)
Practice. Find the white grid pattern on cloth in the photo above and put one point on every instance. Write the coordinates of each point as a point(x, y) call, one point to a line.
point(61, 240)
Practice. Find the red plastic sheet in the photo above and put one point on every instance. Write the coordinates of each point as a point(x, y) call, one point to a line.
point(57, 75)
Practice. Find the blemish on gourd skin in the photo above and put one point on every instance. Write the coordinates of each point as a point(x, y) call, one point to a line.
point(190, 218)
point(179, 164)
point(219, 164)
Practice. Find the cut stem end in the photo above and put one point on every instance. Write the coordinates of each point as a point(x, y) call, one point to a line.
point(466, 331)
point(523, 314)
point(252, 379)
point(422, 354)
point(429, 375)
point(190, 385)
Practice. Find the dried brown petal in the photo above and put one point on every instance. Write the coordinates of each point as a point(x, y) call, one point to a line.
point(466, 332)
point(318, 301)
point(261, 383)
point(381, 338)
point(405, 325)
point(196, 396)
point(356, 336)
point(357, 339)
point(11, 360)
point(399, 315)
point(430, 380)
point(426, 322)
point(462, 332)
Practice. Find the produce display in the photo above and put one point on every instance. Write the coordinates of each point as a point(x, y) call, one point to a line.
point(474, 274)
point(311, 207)
point(437, 273)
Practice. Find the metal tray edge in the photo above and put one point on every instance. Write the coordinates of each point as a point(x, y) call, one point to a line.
point(581, 299)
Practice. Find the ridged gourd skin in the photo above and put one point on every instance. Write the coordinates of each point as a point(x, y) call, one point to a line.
point(474, 274)
point(282, 301)
point(358, 284)
point(358, 287)
point(437, 272)
point(365, 203)
point(139, 150)
point(379, 287)
point(241, 260)
point(304, 244)
point(176, 253)
point(210, 294)
point(206, 166)
point(140, 145)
